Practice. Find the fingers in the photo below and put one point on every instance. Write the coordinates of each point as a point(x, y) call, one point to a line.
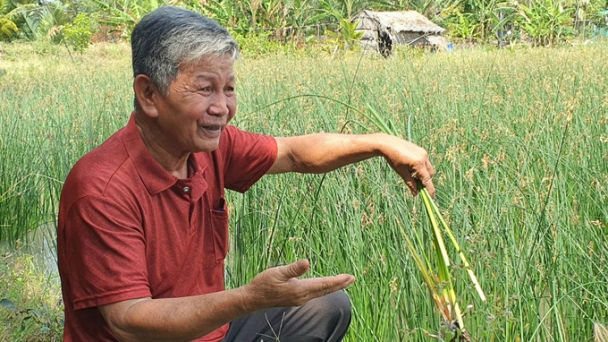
point(419, 173)
point(411, 182)
point(411, 162)
point(317, 287)
point(427, 181)
point(280, 286)
point(295, 269)
point(311, 288)
point(430, 187)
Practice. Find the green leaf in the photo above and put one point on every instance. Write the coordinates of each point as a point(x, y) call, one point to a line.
point(8, 304)
point(35, 313)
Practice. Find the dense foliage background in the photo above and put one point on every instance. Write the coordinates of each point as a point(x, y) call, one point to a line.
point(78, 22)
point(519, 138)
point(521, 155)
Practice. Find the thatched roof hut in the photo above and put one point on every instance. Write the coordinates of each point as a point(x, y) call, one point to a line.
point(383, 29)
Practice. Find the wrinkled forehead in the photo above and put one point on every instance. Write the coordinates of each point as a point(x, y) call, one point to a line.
point(216, 63)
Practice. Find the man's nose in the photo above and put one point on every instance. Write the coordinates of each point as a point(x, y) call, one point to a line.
point(219, 105)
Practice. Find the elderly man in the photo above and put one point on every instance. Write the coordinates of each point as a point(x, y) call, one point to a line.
point(143, 225)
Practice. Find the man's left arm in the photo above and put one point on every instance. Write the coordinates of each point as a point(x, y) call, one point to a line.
point(324, 152)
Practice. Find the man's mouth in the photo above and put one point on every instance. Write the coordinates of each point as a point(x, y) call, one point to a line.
point(212, 128)
point(212, 131)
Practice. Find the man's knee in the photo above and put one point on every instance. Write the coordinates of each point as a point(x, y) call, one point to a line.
point(335, 306)
point(324, 319)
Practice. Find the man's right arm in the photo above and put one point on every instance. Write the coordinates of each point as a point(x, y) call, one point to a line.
point(187, 318)
point(173, 319)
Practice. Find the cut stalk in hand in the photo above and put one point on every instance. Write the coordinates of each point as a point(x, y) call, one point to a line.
point(440, 285)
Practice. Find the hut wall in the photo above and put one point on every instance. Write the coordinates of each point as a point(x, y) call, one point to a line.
point(413, 38)
point(370, 25)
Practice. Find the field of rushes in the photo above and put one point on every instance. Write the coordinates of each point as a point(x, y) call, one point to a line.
point(519, 140)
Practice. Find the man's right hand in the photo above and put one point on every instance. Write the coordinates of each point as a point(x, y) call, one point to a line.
point(279, 286)
point(187, 318)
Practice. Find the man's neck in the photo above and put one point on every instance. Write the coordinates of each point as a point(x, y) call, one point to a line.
point(176, 165)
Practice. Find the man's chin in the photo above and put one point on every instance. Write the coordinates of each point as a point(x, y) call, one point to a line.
point(208, 146)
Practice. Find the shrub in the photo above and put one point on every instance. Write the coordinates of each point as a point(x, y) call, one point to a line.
point(7, 29)
point(30, 301)
point(79, 34)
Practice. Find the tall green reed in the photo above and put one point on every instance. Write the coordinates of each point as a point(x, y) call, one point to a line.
point(493, 130)
point(491, 124)
point(54, 111)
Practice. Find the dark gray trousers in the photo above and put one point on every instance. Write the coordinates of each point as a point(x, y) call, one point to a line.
point(322, 319)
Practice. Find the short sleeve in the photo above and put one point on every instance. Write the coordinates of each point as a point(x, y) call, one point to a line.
point(106, 253)
point(249, 157)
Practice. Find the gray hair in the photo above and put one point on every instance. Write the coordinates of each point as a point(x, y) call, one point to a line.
point(170, 37)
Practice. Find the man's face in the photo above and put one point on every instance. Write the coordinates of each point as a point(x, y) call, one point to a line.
point(200, 103)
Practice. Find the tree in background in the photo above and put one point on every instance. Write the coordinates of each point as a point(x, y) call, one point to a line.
point(34, 20)
point(547, 22)
point(18, 19)
point(8, 28)
point(538, 22)
point(122, 15)
point(79, 33)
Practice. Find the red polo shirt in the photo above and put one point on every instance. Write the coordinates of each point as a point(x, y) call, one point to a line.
point(128, 229)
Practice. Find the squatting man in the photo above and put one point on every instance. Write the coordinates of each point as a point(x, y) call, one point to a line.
point(143, 222)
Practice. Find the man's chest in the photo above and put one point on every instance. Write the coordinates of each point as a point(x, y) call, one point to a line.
point(186, 238)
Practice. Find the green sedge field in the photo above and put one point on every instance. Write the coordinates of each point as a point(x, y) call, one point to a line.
point(519, 139)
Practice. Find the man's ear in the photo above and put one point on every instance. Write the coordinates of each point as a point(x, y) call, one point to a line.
point(146, 94)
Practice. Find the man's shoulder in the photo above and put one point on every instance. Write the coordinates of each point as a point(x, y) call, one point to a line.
point(93, 171)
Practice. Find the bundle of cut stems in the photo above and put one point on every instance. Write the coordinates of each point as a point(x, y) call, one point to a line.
point(439, 284)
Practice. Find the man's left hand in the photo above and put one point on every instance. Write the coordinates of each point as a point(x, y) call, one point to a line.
point(410, 161)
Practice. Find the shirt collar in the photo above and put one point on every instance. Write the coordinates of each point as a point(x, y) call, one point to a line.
point(153, 175)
